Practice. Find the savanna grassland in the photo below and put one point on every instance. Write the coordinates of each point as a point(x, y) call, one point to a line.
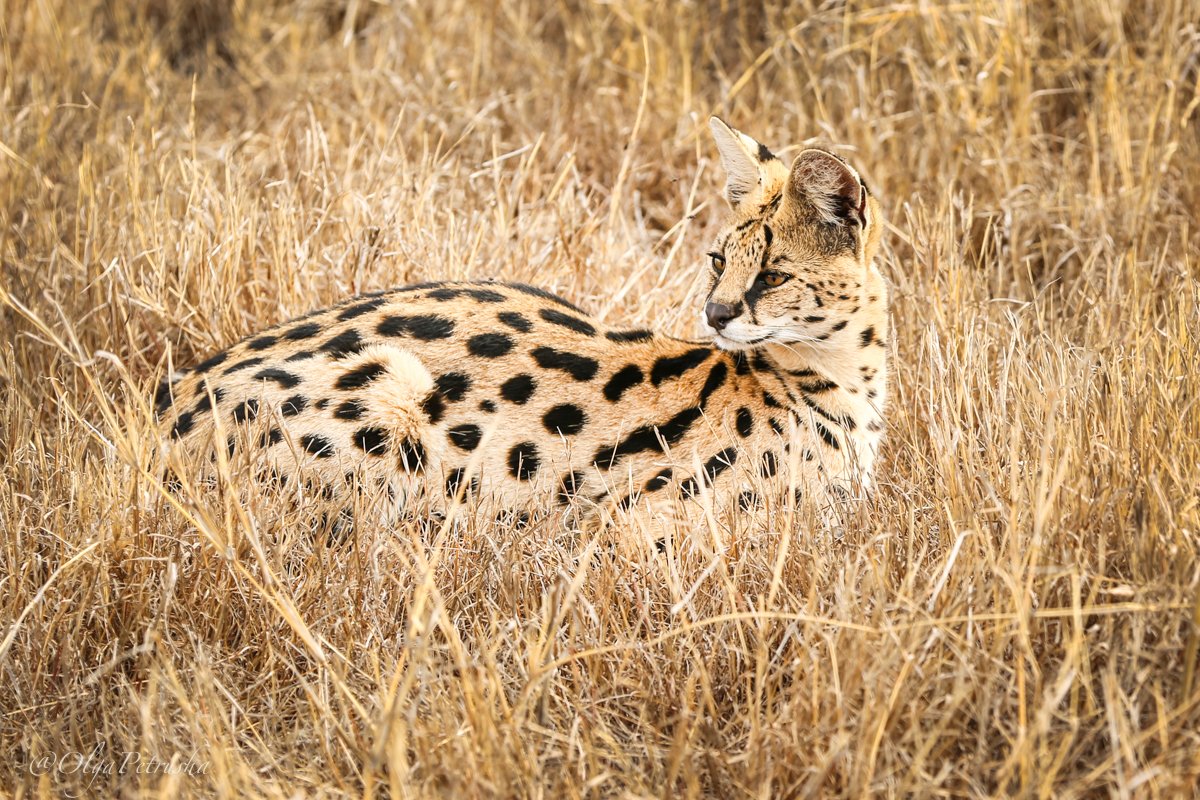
point(1016, 609)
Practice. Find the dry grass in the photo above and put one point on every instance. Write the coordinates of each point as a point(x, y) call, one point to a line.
point(1016, 610)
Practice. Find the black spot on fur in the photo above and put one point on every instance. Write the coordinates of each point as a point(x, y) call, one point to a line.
point(677, 426)
point(321, 404)
point(270, 438)
point(245, 410)
point(317, 445)
point(424, 327)
point(669, 367)
point(741, 364)
point(183, 424)
point(770, 401)
point(346, 343)
point(769, 466)
point(814, 319)
point(518, 389)
point(487, 406)
point(542, 293)
point(844, 420)
point(745, 422)
point(776, 426)
point(305, 331)
point(816, 387)
point(640, 335)
point(294, 405)
point(515, 321)
point(523, 461)
point(485, 295)
point(350, 410)
point(358, 309)
point(827, 435)
point(659, 481)
point(444, 294)
point(245, 364)
point(286, 380)
point(581, 368)
point(748, 500)
point(567, 321)
point(205, 402)
point(411, 455)
point(764, 154)
point(647, 438)
point(569, 486)
point(213, 361)
point(372, 441)
point(489, 345)
point(628, 376)
point(360, 376)
point(566, 419)
point(162, 397)
point(837, 326)
point(761, 363)
point(453, 385)
point(202, 390)
point(720, 462)
point(867, 336)
point(261, 343)
point(302, 355)
point(434, 406)
point(454, 481)
point(715, 465)
point(715, 380)
point(465, 437)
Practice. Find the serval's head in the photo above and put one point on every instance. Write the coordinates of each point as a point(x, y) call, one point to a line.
point(794, 263)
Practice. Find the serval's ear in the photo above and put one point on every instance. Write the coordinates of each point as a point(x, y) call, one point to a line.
point(743, 159)
point(827, 188)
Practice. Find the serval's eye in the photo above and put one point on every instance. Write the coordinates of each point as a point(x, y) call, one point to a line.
point(718, 262)
point(774, 279)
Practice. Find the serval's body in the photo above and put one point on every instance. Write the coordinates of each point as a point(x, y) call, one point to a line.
point(508, 391)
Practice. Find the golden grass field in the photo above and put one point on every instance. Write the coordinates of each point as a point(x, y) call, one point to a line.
point(1015, 611)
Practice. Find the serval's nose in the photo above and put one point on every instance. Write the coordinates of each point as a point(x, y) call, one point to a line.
point(719, 315)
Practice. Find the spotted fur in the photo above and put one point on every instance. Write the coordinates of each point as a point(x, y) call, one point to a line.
point(460, 388)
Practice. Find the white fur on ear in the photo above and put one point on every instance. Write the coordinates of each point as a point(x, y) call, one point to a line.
point(828, 186)
point(742, 158)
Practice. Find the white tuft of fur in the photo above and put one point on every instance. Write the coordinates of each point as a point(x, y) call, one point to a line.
point(395, 398)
